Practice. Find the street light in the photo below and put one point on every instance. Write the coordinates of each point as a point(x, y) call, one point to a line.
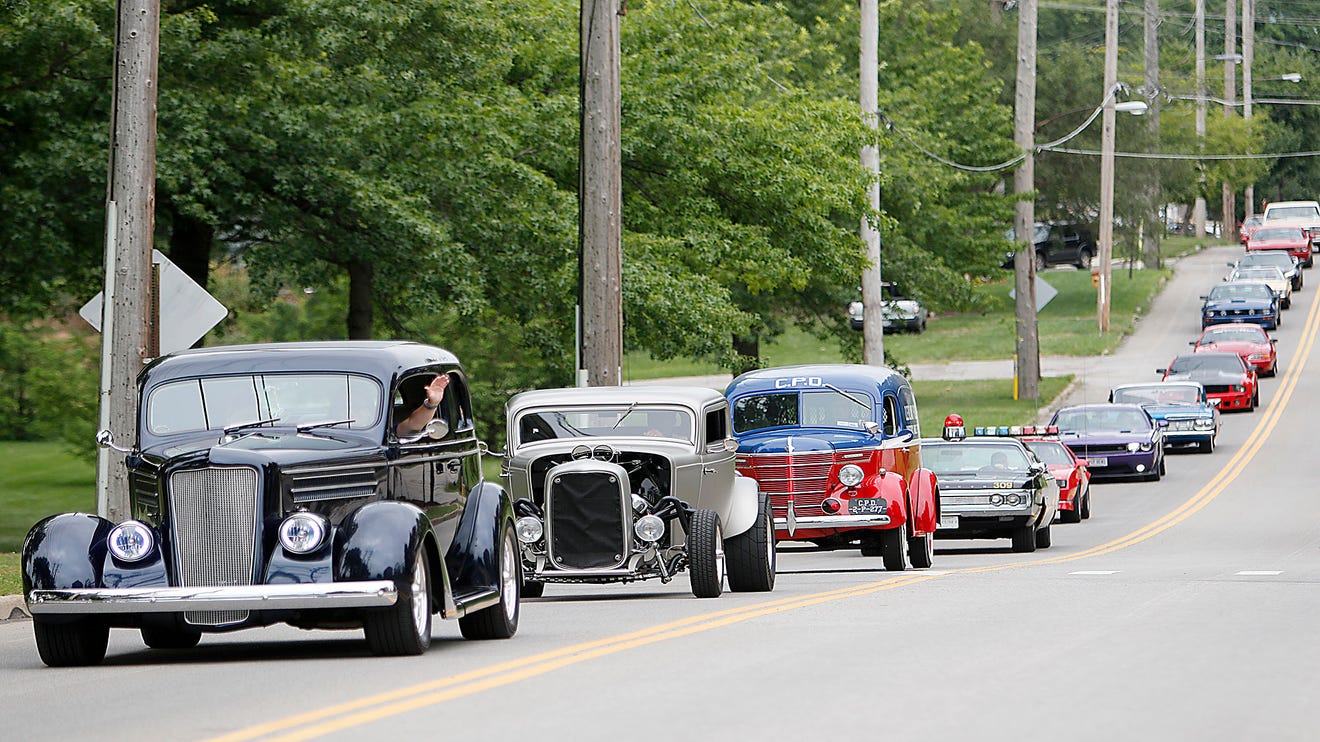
point(1136, 108)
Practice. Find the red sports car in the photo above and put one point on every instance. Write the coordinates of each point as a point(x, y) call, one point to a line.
point(1248, 341)
point(1293, 239)
point(1229, 382)
point(1070, 472)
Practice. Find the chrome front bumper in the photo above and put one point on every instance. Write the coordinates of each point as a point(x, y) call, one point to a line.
point(833, 521)
point(372, 594)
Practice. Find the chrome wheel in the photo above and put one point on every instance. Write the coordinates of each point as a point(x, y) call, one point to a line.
point(509, 580)
point(421, 600)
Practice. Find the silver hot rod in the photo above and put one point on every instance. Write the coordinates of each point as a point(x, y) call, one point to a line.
point(615, 484)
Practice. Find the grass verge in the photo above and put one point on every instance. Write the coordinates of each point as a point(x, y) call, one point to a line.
point(10, 581)
point(984, 402)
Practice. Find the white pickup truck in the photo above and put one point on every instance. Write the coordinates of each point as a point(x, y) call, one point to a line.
point(1304, 214)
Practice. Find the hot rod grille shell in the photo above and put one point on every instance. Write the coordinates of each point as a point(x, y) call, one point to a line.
point(214, 517)
point(588, 517)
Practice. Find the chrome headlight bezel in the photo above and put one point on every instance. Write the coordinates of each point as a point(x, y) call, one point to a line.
point(131, 541)
point(649, 528)
point(303, 533)
point(529, 529)
point(851, 475)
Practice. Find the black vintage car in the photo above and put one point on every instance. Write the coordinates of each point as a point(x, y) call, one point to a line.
point(303, 483)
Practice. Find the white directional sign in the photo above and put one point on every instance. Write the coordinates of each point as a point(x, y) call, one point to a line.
point(1044, 293)
point(187, 312)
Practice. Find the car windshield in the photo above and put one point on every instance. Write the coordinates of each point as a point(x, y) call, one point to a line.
point(974, 459)
point(1102, 420)
point(217, 402)
point(1231, 291)
point(1229, 362)
point(1252, 221)
point(1265, 234)
point(614, 421)
point(1235, 334)
point(1051, 452)
point(817, 409)
point(1281, 260)
point(1293, 212)
point(1260, 273)
point(1158, 394)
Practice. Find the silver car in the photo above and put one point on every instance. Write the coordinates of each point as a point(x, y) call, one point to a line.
point(616, 484)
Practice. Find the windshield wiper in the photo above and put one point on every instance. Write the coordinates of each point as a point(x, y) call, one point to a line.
point(624, 416)
point(314, 426)
point(854, 400)
point(231, 429)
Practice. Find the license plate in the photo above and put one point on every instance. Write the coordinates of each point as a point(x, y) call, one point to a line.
point(1096, 461)
point(866, 506)
point(948, 522)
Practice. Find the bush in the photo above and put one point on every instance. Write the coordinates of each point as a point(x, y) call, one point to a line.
point(48, 385)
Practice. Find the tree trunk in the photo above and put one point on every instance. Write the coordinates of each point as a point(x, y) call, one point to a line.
point(360, 278)
point(748, 348)
point(190, 246)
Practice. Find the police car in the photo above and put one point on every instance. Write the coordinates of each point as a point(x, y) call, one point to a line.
point(991, 486)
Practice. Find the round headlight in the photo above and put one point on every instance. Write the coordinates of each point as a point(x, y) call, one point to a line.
point(1147, 445)
point(1134, 446)
point(131, 541)
point(303, 533)
point(851, 475)
point(996, 500)
point(649, 528)
point(529, 529)
point(1012, 499)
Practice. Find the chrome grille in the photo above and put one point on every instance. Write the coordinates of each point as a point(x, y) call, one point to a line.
point(214, 514)
point(1107, 449)
point(801, 477)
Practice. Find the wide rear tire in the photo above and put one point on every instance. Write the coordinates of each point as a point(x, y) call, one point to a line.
point(405, 627)
point(500, 621)
point(1074, 515)
point(705, 547)
point(751, 554)
point(72, 644)
point(1086, 505)
point(533, 589)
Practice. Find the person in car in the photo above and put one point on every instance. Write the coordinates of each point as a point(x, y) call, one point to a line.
point(419, 417)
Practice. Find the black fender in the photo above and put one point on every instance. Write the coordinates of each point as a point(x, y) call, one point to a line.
point(473, 558)
point(65, 551)
point(377, 542)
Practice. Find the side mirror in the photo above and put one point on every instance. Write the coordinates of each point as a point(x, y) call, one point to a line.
point(872, 427)
point(484, 450)
point(105, 439)
point(1083, 463)
point(1203, 298)
point(435, 429)
point(1191, 342)
point(728, 444)
point(1162, 423)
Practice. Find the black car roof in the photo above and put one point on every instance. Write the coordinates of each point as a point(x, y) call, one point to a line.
point(382, 359)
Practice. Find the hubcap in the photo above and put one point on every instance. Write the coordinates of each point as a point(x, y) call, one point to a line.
point(770, 545)
point(421, 601)
point(509, 579)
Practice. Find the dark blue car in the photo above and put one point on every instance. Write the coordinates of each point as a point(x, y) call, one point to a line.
point(1191, 420)
point(1117, 440)
point(1241, 302)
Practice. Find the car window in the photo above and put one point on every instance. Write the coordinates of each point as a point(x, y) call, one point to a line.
point(1102, 420)
point(762, 411)
point(1278, 233)
point(829, 409)
point(891, 415)
point(294, 399)
point(626, 421)
point(974, 459)
point(1229, 362)
point(717, 425)
point(1235, 334)
point(910, 417)
point(1050, 452)
point(1230, 291)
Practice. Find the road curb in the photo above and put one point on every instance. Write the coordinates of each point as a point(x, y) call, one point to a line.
point(12, 608)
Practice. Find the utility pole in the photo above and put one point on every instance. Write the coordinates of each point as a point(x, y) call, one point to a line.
point(873, 308)
point(1228, 222)
point(1198, 212)
point(1248, 54)
point(1155, 187)
point(130, 222)
point(1024, 185)
point(1107, 165)
point(600, 197)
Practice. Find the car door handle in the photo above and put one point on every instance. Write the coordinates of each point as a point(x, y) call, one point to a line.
point(708, 470)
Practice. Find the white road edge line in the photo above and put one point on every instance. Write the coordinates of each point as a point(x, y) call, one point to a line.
point(1259, 572)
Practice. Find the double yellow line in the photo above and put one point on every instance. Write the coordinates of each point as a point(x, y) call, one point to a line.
point(365, 710)
point(372, 708)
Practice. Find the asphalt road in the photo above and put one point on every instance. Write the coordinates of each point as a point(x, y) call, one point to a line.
point(1182, 610)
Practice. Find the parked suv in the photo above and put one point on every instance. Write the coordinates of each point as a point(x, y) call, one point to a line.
point(1058, 243)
